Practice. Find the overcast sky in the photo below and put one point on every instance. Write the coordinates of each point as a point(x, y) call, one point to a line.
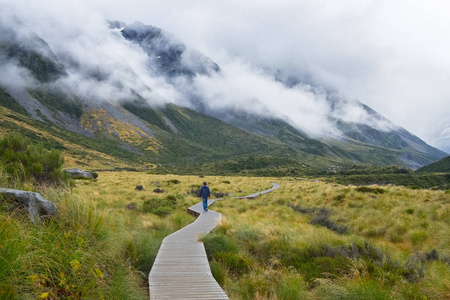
point(391, 55)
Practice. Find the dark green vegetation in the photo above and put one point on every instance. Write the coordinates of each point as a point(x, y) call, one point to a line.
point(9, 102)
point(160, 207)
point(321, 218)
point(442, 165)
point(413, 180)
point(56, 100)
point(22, 161)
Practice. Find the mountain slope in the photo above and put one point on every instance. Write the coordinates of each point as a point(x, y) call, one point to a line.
point(401, 146)
point(135, 132)
point(442, 165)
point(167, 56)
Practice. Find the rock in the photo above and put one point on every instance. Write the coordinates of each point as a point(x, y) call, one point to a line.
point(36, 205)
point(139, 188)
point(131, 206)
point(78, 172)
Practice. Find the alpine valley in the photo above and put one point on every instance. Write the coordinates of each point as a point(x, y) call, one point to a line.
point(118, 113)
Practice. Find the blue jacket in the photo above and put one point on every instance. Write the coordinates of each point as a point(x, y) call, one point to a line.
point(204, 192)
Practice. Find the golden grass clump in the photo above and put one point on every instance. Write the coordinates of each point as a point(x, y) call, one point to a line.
point(397, 242)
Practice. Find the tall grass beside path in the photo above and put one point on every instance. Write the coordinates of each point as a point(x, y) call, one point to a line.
point(395, 246)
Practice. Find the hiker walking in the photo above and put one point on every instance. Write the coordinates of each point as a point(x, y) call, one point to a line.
point(205, 194)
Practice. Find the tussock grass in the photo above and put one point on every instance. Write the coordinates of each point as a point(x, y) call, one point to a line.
point(396, 245)
point(70, 256)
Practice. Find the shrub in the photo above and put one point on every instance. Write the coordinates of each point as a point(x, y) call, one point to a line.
point(303, 210)
point(409, 211)
point(366, 189)
point(131, 206)
point(432, 255)
point(322, 218)
point(171, 198)
point(414, 187)
point(218, 243)
point(235, 262)
point(195, 190)
point(24, 161)
point(174, 181)
point(340, 198)
point(219, 194)
point(160, 207)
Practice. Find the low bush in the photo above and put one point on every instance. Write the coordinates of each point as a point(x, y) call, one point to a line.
point(195, 190)
point(173, 181)
point(236, 263)
point(159, 207)
point(409, 211)
point(215, 243)
point(366, 189)
point(219, 194)
point(81, 177)
point(321, 218)
point(24, 161)
point(303, 210)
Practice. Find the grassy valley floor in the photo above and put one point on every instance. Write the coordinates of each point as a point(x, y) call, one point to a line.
point(306, 240)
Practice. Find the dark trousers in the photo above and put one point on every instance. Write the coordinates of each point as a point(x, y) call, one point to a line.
point(205, 203)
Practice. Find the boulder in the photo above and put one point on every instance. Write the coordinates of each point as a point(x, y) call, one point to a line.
point(139, 188)
point(36, 205)
point(78, 172)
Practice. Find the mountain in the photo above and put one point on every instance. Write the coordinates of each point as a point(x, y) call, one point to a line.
point(140, 129)
point(166, 56)
point(442, 165)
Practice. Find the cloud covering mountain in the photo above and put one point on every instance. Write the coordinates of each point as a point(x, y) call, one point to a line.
point(391, 55)
point(103, 65)
point(67, 67)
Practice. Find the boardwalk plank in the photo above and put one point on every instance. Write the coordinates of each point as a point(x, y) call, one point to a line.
point(181, 269)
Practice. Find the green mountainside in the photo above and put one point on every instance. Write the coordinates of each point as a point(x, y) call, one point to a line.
point(132, 133)
point(442, 165)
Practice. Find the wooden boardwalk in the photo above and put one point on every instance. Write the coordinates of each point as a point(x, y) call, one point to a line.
point(181, 269)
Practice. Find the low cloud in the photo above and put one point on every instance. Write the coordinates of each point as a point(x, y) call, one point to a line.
point(101, 64)
point(343, 47)
point(244, 87)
